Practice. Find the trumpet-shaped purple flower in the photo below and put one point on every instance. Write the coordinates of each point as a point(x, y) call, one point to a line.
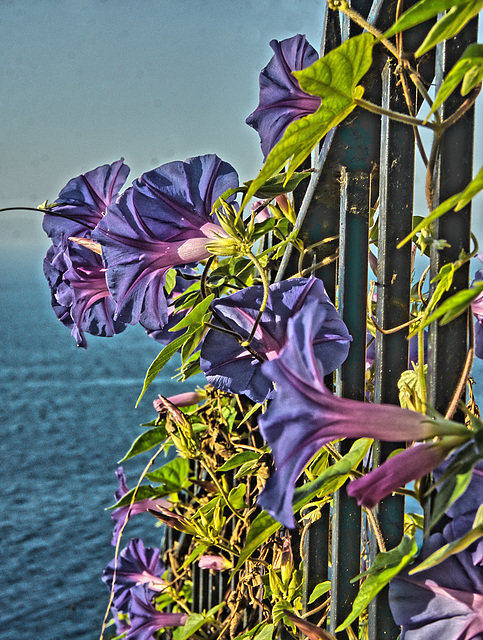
point(396, 472)
point(83, 201)
point(304, 415)
point(146, 619)
point(137, 565)
point(281, 99)
point(461, 513)
point(478, 313)
point(120, 514)
point(164, 220)
point(443, 602)
point(229, 366)
point(79, 293)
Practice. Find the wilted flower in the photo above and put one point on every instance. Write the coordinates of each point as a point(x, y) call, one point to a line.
point(230, 367)
point(137, 565)
point(164, 220)
point(120, 514)
point(281, 99)
point(216, 563)
point(443, 602)
point(304, 415)
point(185, 399)
point(146, 619)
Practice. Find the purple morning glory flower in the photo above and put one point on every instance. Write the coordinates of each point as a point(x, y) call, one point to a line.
point(410, 464)
point(461, 513)
point(164, 220)
point(84, 200)
point(120, 514)
point(215, 563)
point(304, 415)
point(230, 367)
point(137, 565)
point(79, 293)
point(477, 307)
point(281, 99)
point(146, 619)
point(443, 602)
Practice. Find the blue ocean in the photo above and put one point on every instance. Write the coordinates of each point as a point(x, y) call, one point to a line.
point(66, 416)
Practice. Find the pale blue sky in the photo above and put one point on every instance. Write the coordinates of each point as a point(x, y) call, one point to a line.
point(85, 82)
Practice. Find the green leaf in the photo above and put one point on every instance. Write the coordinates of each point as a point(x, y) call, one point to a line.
point(456, 305)
point(170, 281)
point(458, 201)
point(146, 441)
point(236, 495)
point(260, 530)
point(453, 486)
point(144, 492)
point(238, 459)
point(334, 476)
point(196, 315)
point(278, 184)
point(163, 358)
point(198, 551)
point(450, 549)
point(321, 589)
point(264, 525)
point(334, 78)
point(420, 12)
point(385, 567)
point(468, 70)
point(172, 475)
point(194, 623)
point(450, 24)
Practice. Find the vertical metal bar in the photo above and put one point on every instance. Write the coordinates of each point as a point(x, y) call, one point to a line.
point(346, 519)
point(393, 296)
point(447, 345)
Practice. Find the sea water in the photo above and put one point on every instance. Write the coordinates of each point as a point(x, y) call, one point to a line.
point(66, 417)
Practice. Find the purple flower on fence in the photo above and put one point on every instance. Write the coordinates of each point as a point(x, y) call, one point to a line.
point(146, 620)
point(230, 367)
point(137, 565)
point(477, 307)
point(304, 415)
point(164, 220)
point(396, 472)
point(120, 514)
point(281, 99)
point(79, 294)
point(83, 201)
point(443, 602)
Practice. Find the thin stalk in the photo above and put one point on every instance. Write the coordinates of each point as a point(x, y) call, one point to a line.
point(266, 291)
point(118, 543)
point(394, 115)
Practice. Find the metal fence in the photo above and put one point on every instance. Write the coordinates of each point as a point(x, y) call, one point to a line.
point(370, 159)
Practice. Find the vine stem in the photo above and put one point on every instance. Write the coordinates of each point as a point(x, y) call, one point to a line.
point(400, 117)
point(121, 531)
point(266, 291)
